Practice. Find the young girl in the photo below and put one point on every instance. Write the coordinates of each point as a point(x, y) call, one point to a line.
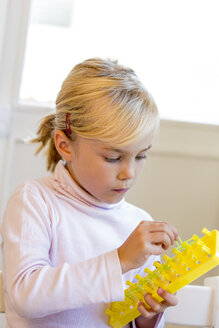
point(70, 240)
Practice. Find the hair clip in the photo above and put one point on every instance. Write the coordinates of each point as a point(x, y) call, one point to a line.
point(67, 124)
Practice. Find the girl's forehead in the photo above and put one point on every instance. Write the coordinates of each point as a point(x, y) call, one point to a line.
point(143, 143)
point(127, 149)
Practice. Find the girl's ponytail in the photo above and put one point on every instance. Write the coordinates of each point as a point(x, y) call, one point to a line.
point(45, 135)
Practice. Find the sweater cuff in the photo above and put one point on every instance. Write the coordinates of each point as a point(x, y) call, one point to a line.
point(159, 323)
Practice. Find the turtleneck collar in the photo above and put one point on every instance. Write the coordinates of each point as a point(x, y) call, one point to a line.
point(64, 183)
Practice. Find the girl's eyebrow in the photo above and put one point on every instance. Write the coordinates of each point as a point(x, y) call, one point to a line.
point(122, 151)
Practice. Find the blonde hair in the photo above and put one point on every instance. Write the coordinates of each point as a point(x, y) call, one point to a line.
point(105, 101)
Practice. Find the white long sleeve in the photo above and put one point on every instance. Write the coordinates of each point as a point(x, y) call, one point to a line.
point(60, 261)
point(31, 277)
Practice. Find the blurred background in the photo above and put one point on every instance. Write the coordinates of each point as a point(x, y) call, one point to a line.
point(173, 47)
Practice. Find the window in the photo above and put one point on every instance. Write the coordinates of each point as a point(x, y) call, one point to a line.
point(172, 45)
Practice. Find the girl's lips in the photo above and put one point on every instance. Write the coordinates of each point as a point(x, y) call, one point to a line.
point(121, 190)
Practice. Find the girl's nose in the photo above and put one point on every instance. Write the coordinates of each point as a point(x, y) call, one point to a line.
point(127, 172)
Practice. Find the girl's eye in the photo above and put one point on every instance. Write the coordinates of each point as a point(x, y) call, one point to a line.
point(112, 160)
point(141, 157)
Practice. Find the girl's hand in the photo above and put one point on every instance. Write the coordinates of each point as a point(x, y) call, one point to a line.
point(168, 300)
point(150, 237)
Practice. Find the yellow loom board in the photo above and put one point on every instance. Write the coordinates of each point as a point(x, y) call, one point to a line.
point(192, 259)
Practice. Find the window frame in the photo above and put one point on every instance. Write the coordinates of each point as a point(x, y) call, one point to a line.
point(14, 18)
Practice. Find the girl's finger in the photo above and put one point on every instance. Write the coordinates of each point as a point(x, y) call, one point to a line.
point(160, 238)
point(155, 306)
point(160, 226)
point(169, 299)
point(170, 230)
point(175, 232)
point(155, 249)
point(143, 310)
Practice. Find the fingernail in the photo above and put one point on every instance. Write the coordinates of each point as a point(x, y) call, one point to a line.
point(160, 290)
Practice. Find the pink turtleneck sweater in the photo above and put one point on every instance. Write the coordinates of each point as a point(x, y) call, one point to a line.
point(60, 261)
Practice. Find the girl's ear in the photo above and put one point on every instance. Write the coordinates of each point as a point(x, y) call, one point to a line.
point(63, 143)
